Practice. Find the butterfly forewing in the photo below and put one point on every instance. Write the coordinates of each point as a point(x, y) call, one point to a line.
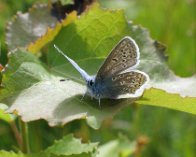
point(128, 83)
point(122, 57)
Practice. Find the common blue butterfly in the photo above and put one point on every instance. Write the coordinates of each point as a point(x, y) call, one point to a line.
point(116, 78)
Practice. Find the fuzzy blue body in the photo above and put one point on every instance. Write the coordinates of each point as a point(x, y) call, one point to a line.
point(100, 89)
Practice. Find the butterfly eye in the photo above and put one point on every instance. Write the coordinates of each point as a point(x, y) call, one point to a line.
point(91, 83)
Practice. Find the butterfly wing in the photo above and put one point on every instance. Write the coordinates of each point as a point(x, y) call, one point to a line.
point(123, 56)
point(129, 84)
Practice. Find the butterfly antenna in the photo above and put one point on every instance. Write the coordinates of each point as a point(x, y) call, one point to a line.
point(76, 66)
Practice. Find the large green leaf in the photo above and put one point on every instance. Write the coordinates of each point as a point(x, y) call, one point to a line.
point(33, 93)
point(89, 44)
point(85, 43)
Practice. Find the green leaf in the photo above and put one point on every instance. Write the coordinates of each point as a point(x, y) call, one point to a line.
point(69, 145)
point(93, 35)
point(120, 147)
point(96, 40)
point(160, 98)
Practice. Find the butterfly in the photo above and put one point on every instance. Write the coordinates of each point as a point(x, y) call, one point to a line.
point(117, 77)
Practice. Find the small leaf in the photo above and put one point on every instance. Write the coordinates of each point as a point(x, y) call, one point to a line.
point(5, 116)
point(69, 145)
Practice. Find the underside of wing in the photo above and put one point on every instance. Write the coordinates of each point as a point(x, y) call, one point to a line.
point(126, 85)
point(122, 57)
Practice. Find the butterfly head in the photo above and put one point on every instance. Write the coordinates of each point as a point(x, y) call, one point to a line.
point(90, 82)
point(91, 87)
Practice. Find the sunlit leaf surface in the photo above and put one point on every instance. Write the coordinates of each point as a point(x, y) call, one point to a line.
point(71, 146)
point(45, 96)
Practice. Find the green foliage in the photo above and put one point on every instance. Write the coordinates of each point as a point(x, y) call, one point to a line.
point(49, 88)
point(62, 108)
point(66, 147)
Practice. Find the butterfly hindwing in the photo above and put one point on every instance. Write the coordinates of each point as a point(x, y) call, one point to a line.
point(129, 84)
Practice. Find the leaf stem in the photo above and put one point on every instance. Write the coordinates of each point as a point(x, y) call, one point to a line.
point(25, 136)
point(16, 133)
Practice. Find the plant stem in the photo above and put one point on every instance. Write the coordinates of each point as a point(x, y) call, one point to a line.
point(16, 134)
point(25, 136)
